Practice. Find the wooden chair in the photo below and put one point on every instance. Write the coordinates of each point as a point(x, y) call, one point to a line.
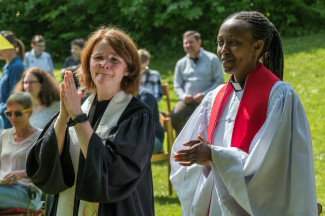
point(320, 208)
point(165, 90)
point(167, 125)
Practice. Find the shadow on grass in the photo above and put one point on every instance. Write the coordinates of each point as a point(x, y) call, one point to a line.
point(163, 200)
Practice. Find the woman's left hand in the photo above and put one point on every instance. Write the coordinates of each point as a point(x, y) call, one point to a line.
point(13, 177)
point(71, 98)
point(199, 153)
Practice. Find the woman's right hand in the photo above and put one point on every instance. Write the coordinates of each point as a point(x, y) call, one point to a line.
point(63, 112)
point(199, 152)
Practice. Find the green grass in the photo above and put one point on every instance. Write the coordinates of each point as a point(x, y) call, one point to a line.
point(304, 70)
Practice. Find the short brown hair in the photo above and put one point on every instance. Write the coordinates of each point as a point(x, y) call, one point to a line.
point(196, 34)
point(123, 46)
point(78, 42)
point(37, 39)
point(50, 90)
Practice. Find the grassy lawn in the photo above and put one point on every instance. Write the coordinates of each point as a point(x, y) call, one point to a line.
point(304, 66)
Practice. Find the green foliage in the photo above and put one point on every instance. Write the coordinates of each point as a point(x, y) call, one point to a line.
point(153, 24)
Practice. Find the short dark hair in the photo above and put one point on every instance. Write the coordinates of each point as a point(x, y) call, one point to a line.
point(196, 34)
point(124, 47)
point(144, 55)
point(78, 42)
point(262, 29)
point(50, 90)
point(37, 39)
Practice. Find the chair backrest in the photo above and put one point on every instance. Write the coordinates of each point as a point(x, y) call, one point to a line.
point(167, 125)
point(165, 90)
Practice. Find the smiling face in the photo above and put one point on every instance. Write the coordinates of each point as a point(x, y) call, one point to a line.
point(237, 49)
point(32, 85)
point(107, 68)
point(191, 45)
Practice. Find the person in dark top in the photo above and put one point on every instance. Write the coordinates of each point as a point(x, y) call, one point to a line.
point(95, 156)
point(145, 96)
point(73, 62)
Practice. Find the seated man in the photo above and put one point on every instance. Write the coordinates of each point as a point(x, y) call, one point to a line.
point(151, 79)
point(146, 97)
point(37, 57)
point(195, 75)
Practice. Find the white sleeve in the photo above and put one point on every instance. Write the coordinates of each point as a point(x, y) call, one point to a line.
point(186, 179)
point(277, 176)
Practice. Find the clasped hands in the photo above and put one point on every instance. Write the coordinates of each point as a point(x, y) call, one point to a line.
point(190, 98)
point(70, 105)
point(199, 152)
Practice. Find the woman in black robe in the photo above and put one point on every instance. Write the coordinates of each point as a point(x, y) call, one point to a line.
point(99, 152)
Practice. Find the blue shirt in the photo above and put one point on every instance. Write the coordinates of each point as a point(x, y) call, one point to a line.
point(11, 74)
point(200, 77)
point(1, 124)
point(44, 61)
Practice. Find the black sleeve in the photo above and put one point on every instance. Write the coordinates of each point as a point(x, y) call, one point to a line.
point(45, 168)
point(115, 164)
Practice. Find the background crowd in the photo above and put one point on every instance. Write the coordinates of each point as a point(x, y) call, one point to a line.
point(195, 75)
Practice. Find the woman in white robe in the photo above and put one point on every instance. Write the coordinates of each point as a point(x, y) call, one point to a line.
point(270, 173)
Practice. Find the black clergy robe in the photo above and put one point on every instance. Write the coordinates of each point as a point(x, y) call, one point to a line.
point(116, 173)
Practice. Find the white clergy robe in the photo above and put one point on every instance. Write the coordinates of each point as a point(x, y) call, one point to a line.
point(275, 177)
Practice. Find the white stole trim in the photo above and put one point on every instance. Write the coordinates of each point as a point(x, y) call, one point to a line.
point(110, 118)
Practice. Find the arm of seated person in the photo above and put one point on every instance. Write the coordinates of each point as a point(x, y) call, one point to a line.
point(13, 177)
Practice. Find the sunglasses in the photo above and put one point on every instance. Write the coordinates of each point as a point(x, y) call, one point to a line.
point(16, 113)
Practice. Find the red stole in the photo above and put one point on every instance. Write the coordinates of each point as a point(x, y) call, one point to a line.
point(251, 113)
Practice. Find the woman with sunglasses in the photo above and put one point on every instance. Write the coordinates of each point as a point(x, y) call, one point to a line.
point(95, 156)
point(14, 144)
point(11, 72)
point(45, 93)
